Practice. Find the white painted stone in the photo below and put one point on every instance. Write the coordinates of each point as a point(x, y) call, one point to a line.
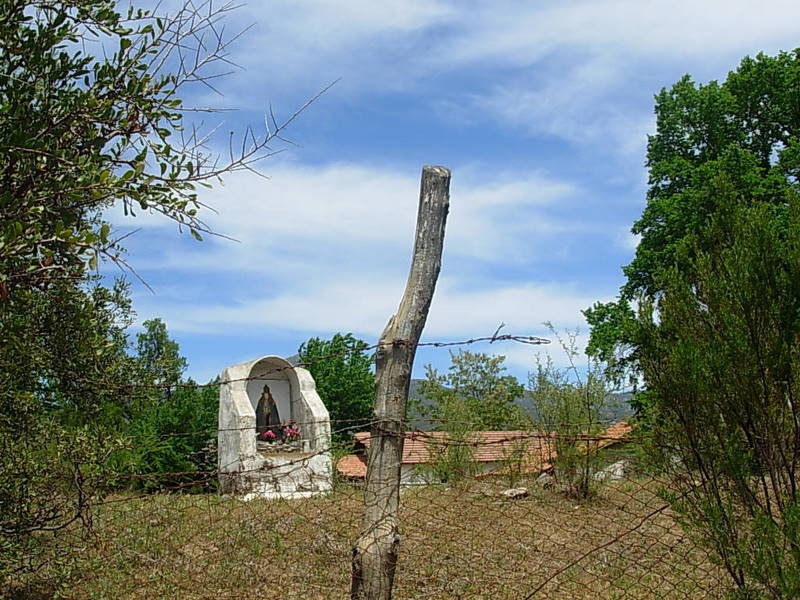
point(513, 493)
point(243, 470)
point(613, 472)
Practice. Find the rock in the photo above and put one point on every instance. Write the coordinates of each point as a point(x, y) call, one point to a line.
point(613, 472)
point(513, 493)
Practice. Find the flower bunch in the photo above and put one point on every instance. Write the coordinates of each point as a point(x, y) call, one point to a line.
point(268, 436)
point(292, 434)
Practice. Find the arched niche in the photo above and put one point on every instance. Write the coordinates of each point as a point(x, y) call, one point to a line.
point(277, 375)
point(243, 469)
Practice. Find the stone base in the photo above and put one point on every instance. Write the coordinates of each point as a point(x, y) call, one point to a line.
point(280, 448)
point(285, 475)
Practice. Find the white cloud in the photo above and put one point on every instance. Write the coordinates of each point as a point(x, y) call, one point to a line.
point(363, 214)
point(305, 44)
point(328, 249)
point(522, 32)
point(523, 307)
point(580, 69)
point(364, 305)
point(627, 240)
point(294, 38)
point(521, 358)
point(580, 104)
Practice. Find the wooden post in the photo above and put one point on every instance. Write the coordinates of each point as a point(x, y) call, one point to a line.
point(375, 551)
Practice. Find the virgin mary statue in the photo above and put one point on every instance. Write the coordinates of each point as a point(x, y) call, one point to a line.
point(266, 412)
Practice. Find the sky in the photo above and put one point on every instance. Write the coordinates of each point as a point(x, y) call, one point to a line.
point(541, 110)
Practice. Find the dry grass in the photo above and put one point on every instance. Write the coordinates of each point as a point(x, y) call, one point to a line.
point(457, 542)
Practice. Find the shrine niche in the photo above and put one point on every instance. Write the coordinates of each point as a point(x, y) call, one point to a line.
point(274, 432)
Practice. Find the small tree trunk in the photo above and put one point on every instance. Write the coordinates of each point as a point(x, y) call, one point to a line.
point(375, 551)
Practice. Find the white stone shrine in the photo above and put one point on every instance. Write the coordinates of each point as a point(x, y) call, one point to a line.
point(284, 450)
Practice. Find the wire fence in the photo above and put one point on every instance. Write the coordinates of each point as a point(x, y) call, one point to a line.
point(483, 514)
point(502, 534)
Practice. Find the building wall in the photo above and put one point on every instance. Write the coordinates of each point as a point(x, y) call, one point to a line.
point(417, 474)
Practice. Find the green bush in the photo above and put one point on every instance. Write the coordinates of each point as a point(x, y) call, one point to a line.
point(342, 371)
point(721, 357)
point(569, 407)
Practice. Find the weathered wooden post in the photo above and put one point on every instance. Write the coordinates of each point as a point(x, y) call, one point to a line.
point(375, 551)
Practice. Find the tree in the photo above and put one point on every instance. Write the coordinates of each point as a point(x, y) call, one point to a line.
point(79, 132)
point(452, 459)
point(159, 355)
point(569, 406)
point(744, 131)
point(90, 116)
point(171, 422)
point(475, 390)
point(63, 367)
point(172, 443)
point(720, 352)
point(342, 370)
point(473, 395)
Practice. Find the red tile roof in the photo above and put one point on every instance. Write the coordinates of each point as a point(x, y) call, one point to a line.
point(616, 433)
point(488, 446)
point(352, 465)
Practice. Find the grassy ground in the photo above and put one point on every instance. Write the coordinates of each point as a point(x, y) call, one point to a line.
point(457, 542)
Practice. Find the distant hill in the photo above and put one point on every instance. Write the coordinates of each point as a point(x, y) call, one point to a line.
point(617, 408)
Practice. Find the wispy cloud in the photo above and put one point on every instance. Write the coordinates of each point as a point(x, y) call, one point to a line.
point(549, 67)
point(495, 87)
point(365, 212)
point(328, 249)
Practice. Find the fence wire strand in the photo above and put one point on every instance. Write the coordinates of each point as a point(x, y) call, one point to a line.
point(507, 527)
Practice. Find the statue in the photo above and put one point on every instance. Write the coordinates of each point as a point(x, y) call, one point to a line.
point(267, 417)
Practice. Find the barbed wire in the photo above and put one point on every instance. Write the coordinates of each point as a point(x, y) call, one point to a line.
point(436, 441)
point(160, 533)
point(132, 388)
point(520, 339)
point(622, 542)
point(412, 426)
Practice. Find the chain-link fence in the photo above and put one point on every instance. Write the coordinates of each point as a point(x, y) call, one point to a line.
point(499, 524)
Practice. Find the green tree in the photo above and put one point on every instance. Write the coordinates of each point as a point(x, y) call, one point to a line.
point(473, 395)
point(80, 132)
point(62, 367)
point(159, 355)
point(452, 459)
point(720, 352)
point(570, 406)
point(744, 131)
point(474, 389)
point(342, 370)
point(172, 423)
point(172, 442)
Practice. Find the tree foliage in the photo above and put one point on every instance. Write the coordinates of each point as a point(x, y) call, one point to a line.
point(570, 406)
point(720, 351)
point(744, 131)
point(474, 390)
point(91, 115)
point(63, 366)
point(473, 395)
point(172, 443)
point(158, 355)
point(342, 370)
point(172, 423)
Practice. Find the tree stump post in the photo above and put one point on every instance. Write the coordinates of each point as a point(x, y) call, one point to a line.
point(375, 551)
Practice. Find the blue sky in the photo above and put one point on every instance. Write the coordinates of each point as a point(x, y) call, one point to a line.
point(540, 109)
